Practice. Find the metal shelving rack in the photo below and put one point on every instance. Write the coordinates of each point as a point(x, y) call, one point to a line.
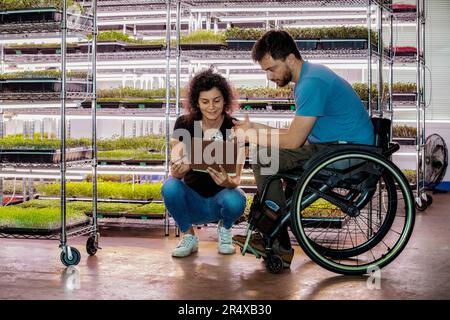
point(422, 198)
point(69, 255)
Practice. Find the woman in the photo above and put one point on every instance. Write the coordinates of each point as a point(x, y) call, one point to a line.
point(194, 197)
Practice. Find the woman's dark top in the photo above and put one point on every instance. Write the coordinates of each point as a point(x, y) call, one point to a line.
point(201, 182)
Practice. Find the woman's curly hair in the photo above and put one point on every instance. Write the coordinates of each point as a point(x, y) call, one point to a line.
point(204, 81)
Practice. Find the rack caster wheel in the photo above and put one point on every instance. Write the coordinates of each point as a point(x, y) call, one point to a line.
point(274, 264)
point(429, 200)
point(421, 204)
point(91, 246)
point(76, 256)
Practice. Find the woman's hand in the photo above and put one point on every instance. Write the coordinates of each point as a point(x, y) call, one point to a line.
point(179, 169)
point(222, 178)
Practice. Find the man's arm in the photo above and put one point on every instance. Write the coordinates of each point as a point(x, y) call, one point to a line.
point(294, 138)
point(255, 125)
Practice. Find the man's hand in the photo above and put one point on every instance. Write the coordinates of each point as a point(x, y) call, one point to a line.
point(239, 131)
point(243, 124)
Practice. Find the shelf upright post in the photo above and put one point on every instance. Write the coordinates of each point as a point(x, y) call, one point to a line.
point(391, 71)
point(421, 55)
point(178, 73)
point(63, 128)
point(94, 122)
point(2, 128)
point(380, 50)
point(420, 141)
point(2, 58)
point(369, 88)
point(167, 114)
point(369, 57)
point(178, 53)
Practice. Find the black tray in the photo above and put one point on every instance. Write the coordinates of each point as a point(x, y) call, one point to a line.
point(42, 156)
point(253, 105)
point(403, 96)
point(324, 222)
point(405, 141)
point(283, 106)
point(141, 216)
point(200, 46)
point(41, 232)
point(150, 162)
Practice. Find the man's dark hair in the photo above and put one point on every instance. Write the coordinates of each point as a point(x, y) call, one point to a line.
point(204, 81)
point(278, 43)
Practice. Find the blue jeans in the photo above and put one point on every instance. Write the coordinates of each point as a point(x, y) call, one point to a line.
point(187, 207)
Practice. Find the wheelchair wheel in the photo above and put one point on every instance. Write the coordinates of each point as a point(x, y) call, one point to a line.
point(352, 211)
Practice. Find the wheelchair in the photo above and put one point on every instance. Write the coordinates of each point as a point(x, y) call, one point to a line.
point(350, 208)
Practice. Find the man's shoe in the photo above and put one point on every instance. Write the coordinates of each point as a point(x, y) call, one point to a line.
point(256, 245)
point(187, 245)
point(285, 254)
point(225, 241)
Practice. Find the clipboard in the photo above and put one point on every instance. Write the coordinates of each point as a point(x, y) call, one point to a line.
point(203, 154)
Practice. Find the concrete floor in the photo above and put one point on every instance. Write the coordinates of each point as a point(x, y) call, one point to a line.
point(139, 266)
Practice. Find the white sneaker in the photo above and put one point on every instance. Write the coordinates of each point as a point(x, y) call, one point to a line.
point(225, 240)
point(187, 245)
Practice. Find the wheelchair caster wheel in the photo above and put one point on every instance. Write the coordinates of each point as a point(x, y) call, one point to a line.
point(91, 247)
point(427, 198)
point(274, 264)
point(76, 256)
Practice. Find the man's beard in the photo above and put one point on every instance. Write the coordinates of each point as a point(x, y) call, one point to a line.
point(287, 78)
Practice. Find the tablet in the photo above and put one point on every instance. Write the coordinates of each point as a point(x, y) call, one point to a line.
point(203, 154)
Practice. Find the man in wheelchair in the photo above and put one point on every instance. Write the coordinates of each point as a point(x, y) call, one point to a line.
point(328, 110)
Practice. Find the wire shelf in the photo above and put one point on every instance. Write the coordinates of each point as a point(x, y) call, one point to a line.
point(69, 164)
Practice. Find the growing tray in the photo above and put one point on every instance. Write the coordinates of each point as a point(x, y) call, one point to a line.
point(200, 46)
point(23, 17)
point(254, 105)
point(42, 232)
point(124, 104)
point(306, 44)
point(141, 216)
point(143, 47)
point(283, 106)
point(43, 155)
point(131, 162)
point(39, 50)
point(405, 141)
point(103, 46)
point(397, 96)
point(42, 88)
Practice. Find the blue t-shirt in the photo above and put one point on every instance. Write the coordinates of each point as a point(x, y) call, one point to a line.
point(341, 116)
